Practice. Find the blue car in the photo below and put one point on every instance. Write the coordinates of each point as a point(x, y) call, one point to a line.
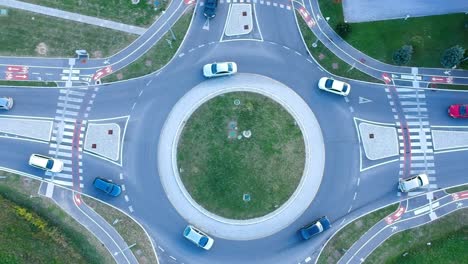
point(107, 186)
point(316, 227)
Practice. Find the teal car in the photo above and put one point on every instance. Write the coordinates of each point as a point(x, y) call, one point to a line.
point(107, 186)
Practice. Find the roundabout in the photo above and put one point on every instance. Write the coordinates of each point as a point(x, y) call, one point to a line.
point(260, 226)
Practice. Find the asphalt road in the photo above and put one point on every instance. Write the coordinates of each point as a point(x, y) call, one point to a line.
point(344, 191)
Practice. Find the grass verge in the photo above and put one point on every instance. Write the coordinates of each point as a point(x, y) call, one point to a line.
point(429, 36)
point(141, 14)
point(29, 34)
point(327, 59)
point(457, 189)
point(348, 235)
point(27, 83)
point(217, 168)
point(450, 87)
point(130, 231)
point(33, 229)
point(448, 238)
point(158, 56)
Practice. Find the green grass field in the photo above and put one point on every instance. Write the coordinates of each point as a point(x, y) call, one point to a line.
point(158, 56)
point(448, 238)
point(33, 229)
point(457, 189)
point(217, 171)
point(123, 11)
point(27, 83)
point(429, 36)
point(347, 236)
point(30, 34)
point(326, 58)
point(130, 231)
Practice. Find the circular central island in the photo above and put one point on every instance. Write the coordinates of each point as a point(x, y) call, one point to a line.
point(241, 157)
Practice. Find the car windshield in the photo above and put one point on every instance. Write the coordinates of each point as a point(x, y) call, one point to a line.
point(213, 68)
point(420, 181)
point(462, 110)
point(345, 88)
point(203, 241)
point(50, 164)
point(329, 83)
point(229, 67)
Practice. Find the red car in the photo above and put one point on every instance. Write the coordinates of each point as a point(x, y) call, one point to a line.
point(458, 111)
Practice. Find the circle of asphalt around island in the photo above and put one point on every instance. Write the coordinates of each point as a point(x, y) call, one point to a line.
point(257, 227)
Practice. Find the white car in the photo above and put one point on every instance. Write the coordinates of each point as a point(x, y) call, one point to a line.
point(219, 69)
point(46, 163)
point(198, 237)
point(334, 86)
point(413, 182)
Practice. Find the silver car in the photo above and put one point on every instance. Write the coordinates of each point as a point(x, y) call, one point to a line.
point(219, 69)
point(413, 182)
point(6, 103)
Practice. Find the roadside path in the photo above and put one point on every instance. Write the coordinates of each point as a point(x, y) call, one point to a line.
point(412, 213)
point(73, 16)
point(72, 204)
point(399, 75)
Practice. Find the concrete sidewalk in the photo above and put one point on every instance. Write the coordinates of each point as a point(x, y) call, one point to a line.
point(73, 16)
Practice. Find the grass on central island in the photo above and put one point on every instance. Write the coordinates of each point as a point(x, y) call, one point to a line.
point(217, 171)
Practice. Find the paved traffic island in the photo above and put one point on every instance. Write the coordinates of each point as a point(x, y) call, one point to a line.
point(284, 214)
point(241, 155)
point(379, 140)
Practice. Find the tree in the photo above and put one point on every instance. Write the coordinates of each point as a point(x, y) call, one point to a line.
point(343, 29)
point(403, 55)
point(452, 56)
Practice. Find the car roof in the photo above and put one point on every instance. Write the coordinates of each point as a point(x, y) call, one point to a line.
point(39, 160)
point(191, 233)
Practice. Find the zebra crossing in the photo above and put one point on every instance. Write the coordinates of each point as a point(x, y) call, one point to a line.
point(414, 135)
point(67, 138)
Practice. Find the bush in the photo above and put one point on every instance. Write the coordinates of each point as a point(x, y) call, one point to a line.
point(452, 56)
point(403, 55)
point(343, 29)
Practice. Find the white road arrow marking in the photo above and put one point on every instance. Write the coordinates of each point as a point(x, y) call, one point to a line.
point(394, 228)
point(447, 72)
point(206, 26)
point(363, 100)
point(459, 205)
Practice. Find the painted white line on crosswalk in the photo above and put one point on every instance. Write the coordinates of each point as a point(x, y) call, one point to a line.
point(412, 103)
point(70, 99)
point(422, 171)
point(423, 123)
point(65, 91)
point(69, 106)
point(65, 119)
point(415, 109)
point(70, 113)
point(63, 175)
point(60, 153)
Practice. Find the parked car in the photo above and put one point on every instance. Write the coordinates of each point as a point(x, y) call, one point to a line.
point(413, 182)
point(210, 8)
point(107, 186)
point(316, 227)
point(458, 110)
point(334, 86)
point(6, 103)
point(198, 237)
point(219, 69)
point(46, 163)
